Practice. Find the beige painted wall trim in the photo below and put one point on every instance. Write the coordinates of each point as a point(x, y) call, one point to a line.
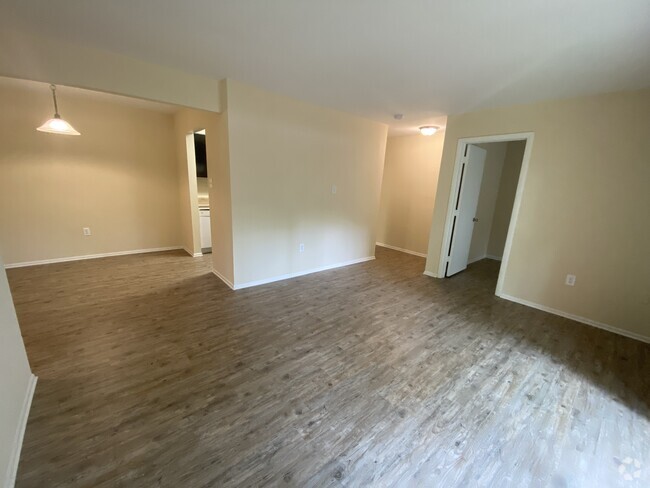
point(10, 480)
point(521, 136)
point(92, 256)
point(295, 275)
point(577, 318)
point(407, 251)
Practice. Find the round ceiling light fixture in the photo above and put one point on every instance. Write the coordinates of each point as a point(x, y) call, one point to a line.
point(428, 130)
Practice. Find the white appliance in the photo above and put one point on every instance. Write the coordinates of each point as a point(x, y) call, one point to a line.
point(206, 236)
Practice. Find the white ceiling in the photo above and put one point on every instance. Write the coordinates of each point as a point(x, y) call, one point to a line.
point(374, 58)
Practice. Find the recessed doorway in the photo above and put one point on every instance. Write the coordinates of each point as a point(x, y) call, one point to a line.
point(199, 191)
point(488, 182)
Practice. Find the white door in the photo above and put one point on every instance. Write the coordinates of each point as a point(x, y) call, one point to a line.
point(465, 209)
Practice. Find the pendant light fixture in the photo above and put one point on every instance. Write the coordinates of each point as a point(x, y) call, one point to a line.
point(57, 125)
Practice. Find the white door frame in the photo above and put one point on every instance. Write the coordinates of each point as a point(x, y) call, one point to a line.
point(460, 154)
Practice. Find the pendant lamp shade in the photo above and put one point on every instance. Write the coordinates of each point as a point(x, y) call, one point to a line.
point(56, 125)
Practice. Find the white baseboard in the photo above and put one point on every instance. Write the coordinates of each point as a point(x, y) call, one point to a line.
point(577, 318)
point(90, 256)
point(193, 254)
point(223, 278)
point(395, 248)
point(300, 273)
point(429, 273)
point(485, 256)
point(10, 480)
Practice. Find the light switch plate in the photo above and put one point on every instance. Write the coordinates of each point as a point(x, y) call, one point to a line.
point(570, 280)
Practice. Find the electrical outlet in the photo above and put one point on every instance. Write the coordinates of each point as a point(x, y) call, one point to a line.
point(334, 189)
point(301, 248)
point(87, 231)
point(209, 182)
point(570, 280)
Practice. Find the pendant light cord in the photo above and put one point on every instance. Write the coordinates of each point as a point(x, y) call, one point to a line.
point(56, 107)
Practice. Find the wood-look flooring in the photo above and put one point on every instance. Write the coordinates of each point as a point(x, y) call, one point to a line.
point(152, 373)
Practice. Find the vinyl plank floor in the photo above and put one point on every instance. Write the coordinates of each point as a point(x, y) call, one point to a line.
point(152, 373)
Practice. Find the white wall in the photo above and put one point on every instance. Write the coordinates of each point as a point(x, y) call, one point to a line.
point(119, 177)
point(15, 382)
point(408, 191)
point(496, 153)
point(584, 207)
point(285, 156)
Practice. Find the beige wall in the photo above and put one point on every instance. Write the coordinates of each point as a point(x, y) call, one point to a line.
point(49, 60)
point(584, 207)
point(505, 198)
point(409, 191)
point(284, 157)
point(14, 379)
point(119, 177)
point(496, 153)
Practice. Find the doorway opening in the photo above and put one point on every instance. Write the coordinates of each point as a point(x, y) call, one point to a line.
point(487, 186)
point(199, 191)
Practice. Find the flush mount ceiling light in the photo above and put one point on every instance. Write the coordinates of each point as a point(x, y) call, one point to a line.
point(57, 125)
point(428, 130)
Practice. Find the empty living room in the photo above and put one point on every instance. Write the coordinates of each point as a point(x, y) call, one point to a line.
point(307, 244)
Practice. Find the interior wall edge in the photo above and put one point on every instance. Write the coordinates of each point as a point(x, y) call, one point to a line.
point(20, 432)
point(223, 278)
point(193, 254)
point(407, 251)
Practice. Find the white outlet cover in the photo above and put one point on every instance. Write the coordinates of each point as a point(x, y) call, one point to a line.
point(86, 231)
point(334, 189)
point(570, 280)
point(301, 248)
